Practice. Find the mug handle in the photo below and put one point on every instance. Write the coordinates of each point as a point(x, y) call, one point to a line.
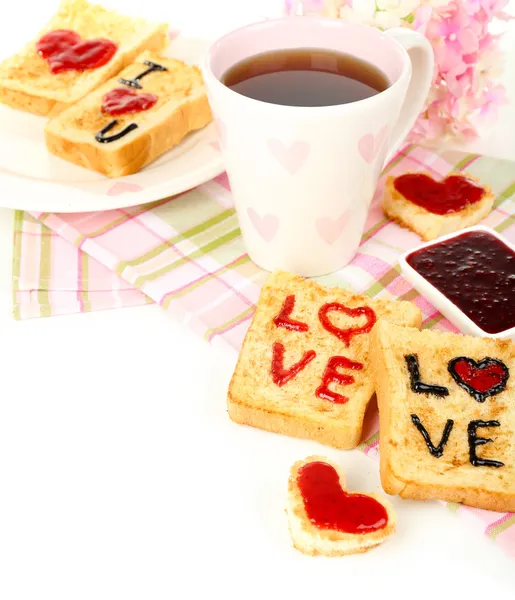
point(422, 69)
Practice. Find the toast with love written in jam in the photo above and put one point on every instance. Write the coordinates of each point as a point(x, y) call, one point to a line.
point(303, 370)
point(326, 519)
point(447, 415)
point(433, 208)
point(82, 46)
point(133, 118)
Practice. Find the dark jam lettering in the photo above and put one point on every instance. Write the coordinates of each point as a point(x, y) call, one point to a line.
point(481, 379)
point(135, 83)
point(450, 195)
point(417, 385)
point(280, 375)
point(345, 335)
point(283, 318)
point(476, 272)
point(328, 506)
point(475, 441)
point(103, 139)
point(331, 375)
point(436, 451)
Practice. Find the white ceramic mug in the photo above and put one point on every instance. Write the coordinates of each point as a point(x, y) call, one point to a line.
point(303, 177)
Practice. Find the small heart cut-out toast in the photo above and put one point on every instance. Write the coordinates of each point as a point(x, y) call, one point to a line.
point(326, 519)
point(447, 415)
point(433, 208)
point(303, 370)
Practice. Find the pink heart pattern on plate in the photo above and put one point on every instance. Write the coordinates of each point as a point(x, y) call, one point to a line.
point(121, 187)
point(266, 225)
point(331, 229)
point(369, 145)
point(292, 157)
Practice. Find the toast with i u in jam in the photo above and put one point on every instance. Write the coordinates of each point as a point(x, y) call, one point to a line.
point(133, 118)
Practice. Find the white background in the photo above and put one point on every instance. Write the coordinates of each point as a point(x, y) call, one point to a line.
point(121, 475)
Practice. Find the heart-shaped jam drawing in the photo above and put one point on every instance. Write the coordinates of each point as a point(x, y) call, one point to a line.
point(121, 101)
point(481, 379)
point(450, 195)
point(328, 506)
point(345, 335)
point(65, 50)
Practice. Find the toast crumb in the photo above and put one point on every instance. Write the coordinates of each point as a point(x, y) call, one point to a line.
point(442, 466)
point(427, 224)
point(315, 541)
point(294, 408)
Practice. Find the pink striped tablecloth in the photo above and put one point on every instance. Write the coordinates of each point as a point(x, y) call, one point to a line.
point(186, 255)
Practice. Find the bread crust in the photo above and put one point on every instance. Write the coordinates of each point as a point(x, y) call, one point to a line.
point(429, 225)
point(421, 484)
point(294, 409)
point(313, 541)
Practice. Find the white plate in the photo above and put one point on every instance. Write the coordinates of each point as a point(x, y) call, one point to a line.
point(441, 302)
point(33, 179)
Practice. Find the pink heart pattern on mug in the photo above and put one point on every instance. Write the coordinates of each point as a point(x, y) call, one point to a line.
point(292, 157)
point(331, 229)
point(266, 226)
point(369, 145)
point(121, 187)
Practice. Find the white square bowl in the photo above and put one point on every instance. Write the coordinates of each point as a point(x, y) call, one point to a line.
point(456, 316)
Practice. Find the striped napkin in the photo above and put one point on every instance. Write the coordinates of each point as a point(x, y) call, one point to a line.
point(186, 254)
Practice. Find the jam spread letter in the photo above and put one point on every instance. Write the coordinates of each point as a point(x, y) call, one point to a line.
point(417, 385)
point(481, 379)
point(345, 335)
point(103, 139)
point(280, 375)
point(283, 318)
point(436, 451)
point(135, 83)
point(331, 375)
point(475, 441)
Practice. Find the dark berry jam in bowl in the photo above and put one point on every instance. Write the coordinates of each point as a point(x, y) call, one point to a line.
point(469, 276)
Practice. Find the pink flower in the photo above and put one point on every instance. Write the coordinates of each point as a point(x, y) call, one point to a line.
point(467, 59)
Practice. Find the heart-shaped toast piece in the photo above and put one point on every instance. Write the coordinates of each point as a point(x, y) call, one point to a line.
point(451, 194)
point(481, 379)
point(65, 50)
point(326, 519)
point(432, 207)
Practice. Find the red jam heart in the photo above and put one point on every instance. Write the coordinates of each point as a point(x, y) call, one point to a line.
point(120, 101)
point(452, 194)
point(65, 50)
point(328, 506)
point(346, 334)
point(481, 379)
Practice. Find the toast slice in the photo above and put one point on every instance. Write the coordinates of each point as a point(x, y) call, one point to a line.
point(364, 520)
point(26, 81)
point(429, 225)
point(321, 384)
point(446, 446)
point(181, 107)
